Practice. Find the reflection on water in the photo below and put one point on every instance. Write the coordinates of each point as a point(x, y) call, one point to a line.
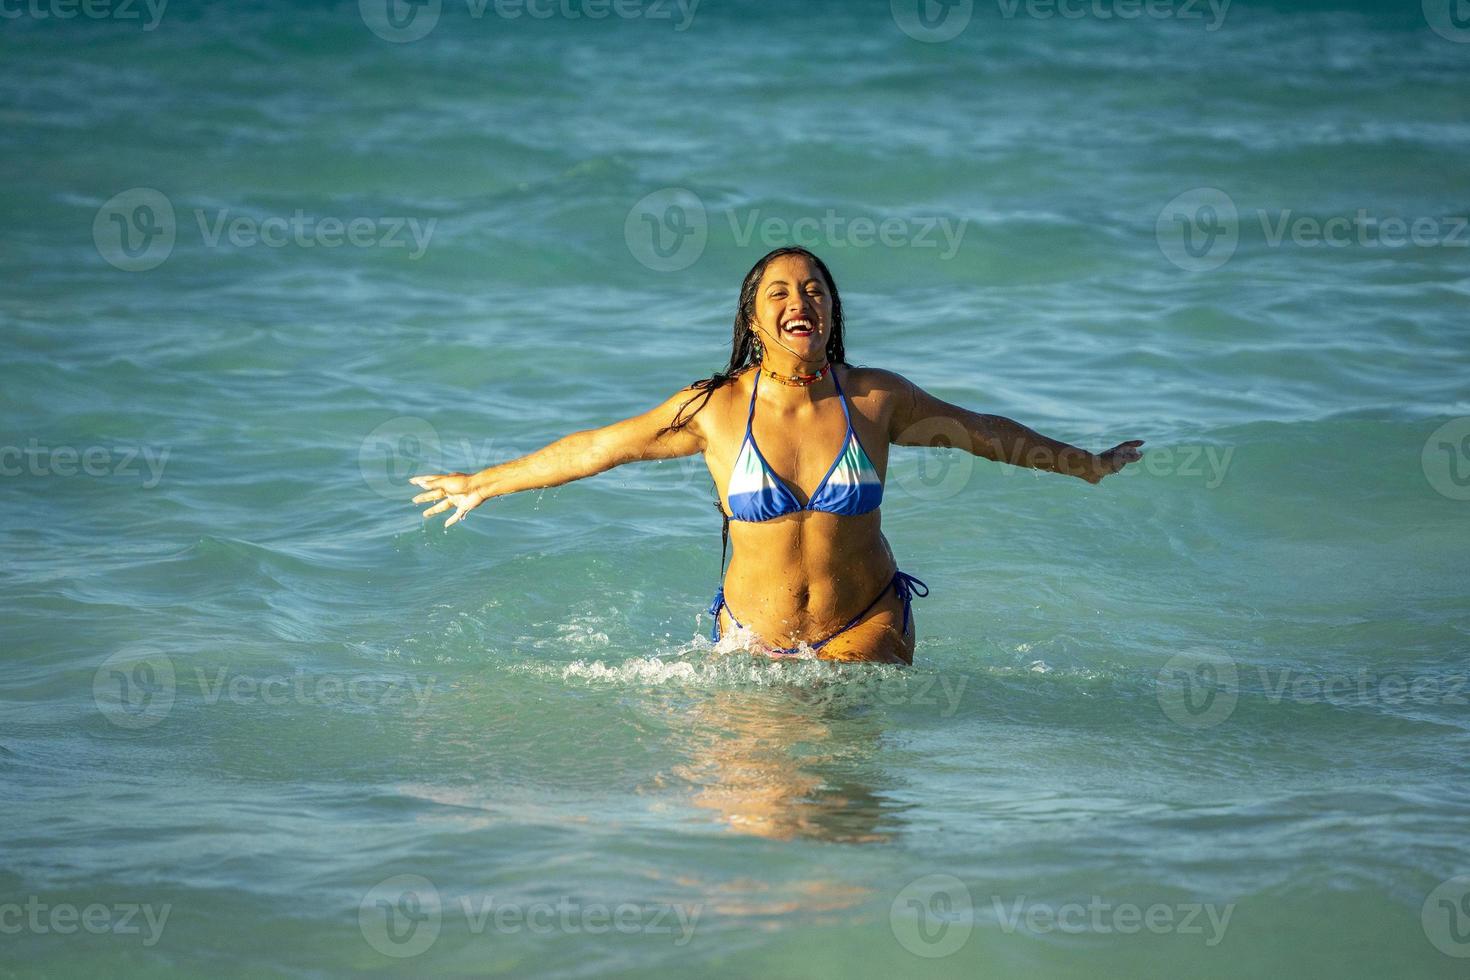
point(797, 761)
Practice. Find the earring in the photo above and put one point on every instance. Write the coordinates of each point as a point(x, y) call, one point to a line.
point(757, 350)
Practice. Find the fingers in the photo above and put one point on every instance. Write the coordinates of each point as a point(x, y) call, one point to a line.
point(444, 497)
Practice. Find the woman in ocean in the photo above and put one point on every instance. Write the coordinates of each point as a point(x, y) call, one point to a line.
point(812, 572)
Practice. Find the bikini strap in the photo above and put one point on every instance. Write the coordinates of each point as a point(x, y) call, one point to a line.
point(724, 538)
point(755, 386)
point(897, 585)
point(714, 610)
point(907, 587)
point(842, 398)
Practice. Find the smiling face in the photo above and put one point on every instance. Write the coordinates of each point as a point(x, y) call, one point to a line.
point(793, 312)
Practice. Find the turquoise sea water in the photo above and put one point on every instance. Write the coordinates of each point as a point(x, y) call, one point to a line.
point(257, 718)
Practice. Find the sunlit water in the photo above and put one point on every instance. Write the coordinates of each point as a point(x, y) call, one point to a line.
point(1207, 719)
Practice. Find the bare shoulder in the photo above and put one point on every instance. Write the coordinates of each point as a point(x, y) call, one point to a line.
point(902, 406)
point(876, 383)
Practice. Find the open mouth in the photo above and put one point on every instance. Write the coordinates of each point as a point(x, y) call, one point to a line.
point(798, 328)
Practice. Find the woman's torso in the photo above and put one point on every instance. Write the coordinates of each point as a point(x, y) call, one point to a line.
point(802, 575)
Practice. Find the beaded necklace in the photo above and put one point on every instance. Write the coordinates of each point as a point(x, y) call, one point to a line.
point(796, 380)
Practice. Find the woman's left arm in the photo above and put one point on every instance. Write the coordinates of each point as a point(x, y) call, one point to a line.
point(920, 419)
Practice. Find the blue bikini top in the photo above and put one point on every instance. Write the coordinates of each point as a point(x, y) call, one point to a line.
point(851, 486)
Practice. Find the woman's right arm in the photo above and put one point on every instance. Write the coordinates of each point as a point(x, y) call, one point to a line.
point(572, 457)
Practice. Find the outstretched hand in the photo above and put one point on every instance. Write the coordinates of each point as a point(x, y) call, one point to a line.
point(1114, 459)
point(450, 490)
